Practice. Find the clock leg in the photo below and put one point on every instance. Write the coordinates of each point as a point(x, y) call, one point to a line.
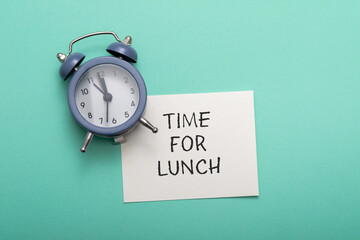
point(87, 140)
point(119, 139)
point(147, 124)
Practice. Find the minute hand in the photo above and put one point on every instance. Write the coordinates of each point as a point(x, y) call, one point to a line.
point(103, 84)
point(107, 96)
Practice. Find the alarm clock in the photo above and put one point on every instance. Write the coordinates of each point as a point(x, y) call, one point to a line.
point(106, 95)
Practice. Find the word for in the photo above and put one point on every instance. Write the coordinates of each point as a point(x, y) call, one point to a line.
point(187, 142)
point(189, 168)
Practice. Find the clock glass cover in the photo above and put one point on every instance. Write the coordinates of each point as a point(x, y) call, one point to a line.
point(107, 95)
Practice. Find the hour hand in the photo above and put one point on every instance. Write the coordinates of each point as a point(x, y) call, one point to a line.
point(98, 88)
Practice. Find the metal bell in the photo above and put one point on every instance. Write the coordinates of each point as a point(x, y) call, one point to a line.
point(124, 50)
point(70, 64)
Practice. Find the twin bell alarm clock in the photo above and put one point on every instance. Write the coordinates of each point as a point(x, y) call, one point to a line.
point(106, 95)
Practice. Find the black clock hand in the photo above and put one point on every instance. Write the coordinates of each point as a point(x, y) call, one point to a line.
point(107, 102)
point(99, 88)
point(107, 96)
point(103, 84)
point(107, 111)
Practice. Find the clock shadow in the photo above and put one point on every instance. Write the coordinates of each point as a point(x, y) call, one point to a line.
point(100, 149)
point(102, 158)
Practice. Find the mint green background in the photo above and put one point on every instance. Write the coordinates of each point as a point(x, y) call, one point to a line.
point(301, 58)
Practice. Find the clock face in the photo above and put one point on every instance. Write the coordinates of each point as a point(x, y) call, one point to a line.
point(107, 95)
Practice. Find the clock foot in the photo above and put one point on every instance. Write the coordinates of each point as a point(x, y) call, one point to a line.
point(119, 139)
point(87, 140)
point(147, 124)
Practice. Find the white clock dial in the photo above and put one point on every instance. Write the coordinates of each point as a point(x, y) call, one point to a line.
point(107, 95)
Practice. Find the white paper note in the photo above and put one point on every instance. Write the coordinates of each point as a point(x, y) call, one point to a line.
point(205, 148)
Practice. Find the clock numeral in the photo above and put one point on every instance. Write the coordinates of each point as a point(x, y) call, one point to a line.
point(90, 80)
point(114, 73)
point(132, 90)
point(90, 115)
point(114, 121)
point(101, 73)
point(133, 104)
point(84, 91)
point(101, 120)
point(82, 104)
point(126, 114)
point(126, 79)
